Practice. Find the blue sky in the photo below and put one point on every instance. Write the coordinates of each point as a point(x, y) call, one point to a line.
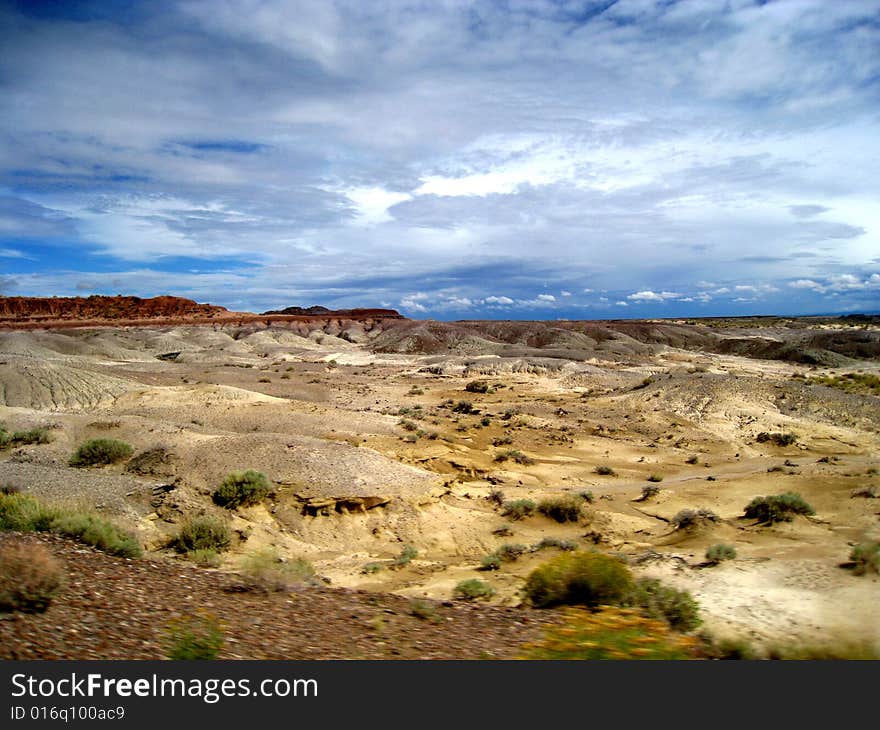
point(454, 160)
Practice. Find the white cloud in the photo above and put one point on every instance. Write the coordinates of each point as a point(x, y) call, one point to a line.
point(498, 300)
point(650, 296)
point(565, 293)
point(621, 303)
point(546, 298)
point(372, 203)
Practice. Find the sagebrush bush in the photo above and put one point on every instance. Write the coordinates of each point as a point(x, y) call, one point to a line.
point(686, 518)
point(516, 509)
point(97, 532)
point(780, 439)
point(273, 573)
point(29, 578)
point(463, 406)
point(555, 542)
point(492, 561)
point(719, 552)
point(605, 470)
point(24, 513)
point(477, 386)
point(656, 600)
point(579, 578)
point(648, 492)
point(200, 636)
point(242, 489)
point(655, 478)
point(777, 508)
point(405, 557)
point(865, 558)
point(473, 589)
point(518, 456)
point(97, 452)
point(565, 508)
point(611, 633)
point(204, 532)
point(204, 557)
point(509, 552)
point(24, 438)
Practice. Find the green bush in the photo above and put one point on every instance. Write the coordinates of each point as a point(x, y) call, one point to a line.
point(23, 438)
point(194, 637)
point(565, 508)
point(273, 573)
point(204, 557)
point(242, 489)
point(97, 532)
point(612, 633)
point(656, 600)
point(719, 552)
point(587, 496)
point(518, 508)
point(587, 578)
point(686, 518)
point(473, 589)
point(509, 552)
point(555, 542)
point(492, 561)
point(204, 532)
point(777, 508)
point(406, 556)
point(29, 578)
point(97, 452)
point(866, 558)
point(24, 513)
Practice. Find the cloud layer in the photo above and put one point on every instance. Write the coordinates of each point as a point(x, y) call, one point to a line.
point(451, 159)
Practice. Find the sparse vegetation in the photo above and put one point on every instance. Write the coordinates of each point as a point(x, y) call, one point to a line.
point(464, 406)
point(779, 439)
point(612, 633)
point(509, 552)
point(194, 637)
point(678, 608)
point(24, 438)
point(692, 460)
point(648, 492)
point(777, 508)
point(555, 542)
point(495, 496)
point(865, 383)
point(605, 471)
point(424, 610)
point(473, 589)
point(273, 573)
point(587, 496)
point(29, 578)
point(371, 568)
point(719, 552)
point(24, 513)
point(655, 478)
point(204, 557)
point(502, 441)
point(518, 456)
point(492, 561)
point(517, 509)
point(98, 452)
point(866, 558)
point(242, 489)
point(865, 492)
point(478, 386)
point(565, 508)
point(204, 532)
point(406, 556)
point(686, 518)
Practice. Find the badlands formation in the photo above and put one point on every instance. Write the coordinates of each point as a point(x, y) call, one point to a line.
point(382, 436)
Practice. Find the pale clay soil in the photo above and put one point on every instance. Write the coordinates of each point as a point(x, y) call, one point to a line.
point(328, 425)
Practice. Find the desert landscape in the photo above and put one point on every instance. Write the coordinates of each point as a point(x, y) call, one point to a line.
point(403, 458)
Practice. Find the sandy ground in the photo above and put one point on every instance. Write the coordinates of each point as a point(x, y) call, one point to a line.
point(327, 419)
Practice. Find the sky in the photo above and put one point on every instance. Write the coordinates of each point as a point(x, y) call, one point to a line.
point(516, 159)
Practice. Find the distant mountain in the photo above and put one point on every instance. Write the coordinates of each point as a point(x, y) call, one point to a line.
point(318, 311)
point(36, 309)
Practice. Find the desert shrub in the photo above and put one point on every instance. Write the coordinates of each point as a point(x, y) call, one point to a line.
point(463, 406)
point(518, 456)
point(612, 633)
point(719, 552)
point(371, 568)
point(25, 513)
point(656, 600)
point(271, 572)
point(648, 492)
point(516, 509)
point(194, 637)
point(473, 589)
point(477, 386)
point(587, 496)
point(408, 425)
point(693, 518)
point(866, 558)
point(730, 649)
point(24, 438)
point(502, 441)
point(777, 508)
point(29, 578)
point(204, 532)
point(492, 561)
point(555, 542)
point(241, 489)
point(96, 452)
point(204, 557)
point(97, 532)
point(779, 439)
point(605, 470)
point(565, 508)
point(496, 496)
point(406, 556)
point(424, 610)
point(485, 421)
point(588, 578)
point(509, 552)
point(692, 460)
point(655, 478)
point(866, 492)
